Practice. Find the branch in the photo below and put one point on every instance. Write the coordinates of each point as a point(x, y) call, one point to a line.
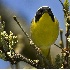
point(14, 58)
point(39, 53)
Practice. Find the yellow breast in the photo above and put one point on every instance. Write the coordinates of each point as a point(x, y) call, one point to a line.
point(45, 31)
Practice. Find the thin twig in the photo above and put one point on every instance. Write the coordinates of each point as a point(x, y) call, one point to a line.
point(21, 28)
point(57, 46)
point(62, 4)
point(61, 38)
point(30, 40)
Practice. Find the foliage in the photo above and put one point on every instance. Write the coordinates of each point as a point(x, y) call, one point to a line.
point(57, 62)
point(7, 45)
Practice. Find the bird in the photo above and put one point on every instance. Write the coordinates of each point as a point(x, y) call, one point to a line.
point(44, 29)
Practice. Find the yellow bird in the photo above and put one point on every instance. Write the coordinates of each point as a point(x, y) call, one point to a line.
point(44, 29)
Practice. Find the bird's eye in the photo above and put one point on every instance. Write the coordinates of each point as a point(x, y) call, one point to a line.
point(39, 13)
point(49, 10)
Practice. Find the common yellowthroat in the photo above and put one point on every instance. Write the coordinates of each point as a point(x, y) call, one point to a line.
point(44, 29)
